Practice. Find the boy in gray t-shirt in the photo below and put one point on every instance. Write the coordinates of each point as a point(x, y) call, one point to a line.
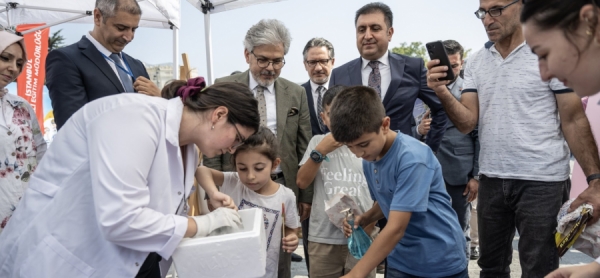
point(334, 169)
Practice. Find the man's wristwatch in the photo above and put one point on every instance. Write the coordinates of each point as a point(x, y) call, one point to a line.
point(316, 156)
point(592, 177)
point(476, 178)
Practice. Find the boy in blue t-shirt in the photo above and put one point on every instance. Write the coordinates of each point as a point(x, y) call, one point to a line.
point(422, 237)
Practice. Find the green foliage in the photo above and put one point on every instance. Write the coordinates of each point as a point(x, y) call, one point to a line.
point(55, 41)
point(413, 49)
point(418, 49)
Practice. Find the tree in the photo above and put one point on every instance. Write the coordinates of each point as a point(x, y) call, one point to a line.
point(55, 41)
point(417, 49)
point(414, 49)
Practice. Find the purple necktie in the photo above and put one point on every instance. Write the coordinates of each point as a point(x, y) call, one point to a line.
point(375, 77)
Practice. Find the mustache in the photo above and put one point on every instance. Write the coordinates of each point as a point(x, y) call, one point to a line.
point(267, 72)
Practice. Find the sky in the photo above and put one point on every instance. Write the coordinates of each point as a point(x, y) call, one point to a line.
point(422, 20)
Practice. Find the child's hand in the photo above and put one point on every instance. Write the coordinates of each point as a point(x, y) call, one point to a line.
point(327, 145)
point(290, 242)
point(348, 229)
point(219, 199)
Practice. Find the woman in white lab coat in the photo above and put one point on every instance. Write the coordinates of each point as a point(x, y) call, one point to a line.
point(111, 193)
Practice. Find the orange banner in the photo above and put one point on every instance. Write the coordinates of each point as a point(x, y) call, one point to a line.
point(30, 84)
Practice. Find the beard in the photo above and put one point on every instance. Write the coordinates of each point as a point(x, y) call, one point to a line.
point(261, 82)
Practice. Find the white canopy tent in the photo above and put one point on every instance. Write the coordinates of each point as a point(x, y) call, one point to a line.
point(215, 6)
point(155, 14)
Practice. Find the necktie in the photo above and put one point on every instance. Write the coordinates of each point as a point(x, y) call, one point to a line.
point(320, 90)
point(262, 105)
point(125, 78)
point(375, 77)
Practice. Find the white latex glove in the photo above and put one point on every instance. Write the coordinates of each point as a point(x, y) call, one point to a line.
point(220, 221)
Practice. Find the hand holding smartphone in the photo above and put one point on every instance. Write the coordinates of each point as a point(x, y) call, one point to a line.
point(437, 51)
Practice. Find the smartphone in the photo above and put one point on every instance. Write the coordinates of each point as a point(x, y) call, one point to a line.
point(438, 52)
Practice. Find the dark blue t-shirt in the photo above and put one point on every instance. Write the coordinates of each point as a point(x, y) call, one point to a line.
point(409, 179)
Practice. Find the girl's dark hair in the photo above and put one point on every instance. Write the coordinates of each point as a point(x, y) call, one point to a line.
point(237, 97)
point(563, 14)
point(263, 141)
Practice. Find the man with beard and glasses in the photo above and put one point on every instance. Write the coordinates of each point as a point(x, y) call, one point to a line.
point(319, 58)
point(96, 66)
point(283, 109)
point(526, 127)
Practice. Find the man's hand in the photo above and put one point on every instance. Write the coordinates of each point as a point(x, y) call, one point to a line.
point(327, 145)
point(290, 242)
point(145, 86)
point(304, 210)
point(591, 196)
point(219, 199)
point(434, 73)
point(348, 229)
point(471, 189)
point(425, 124)
point(580, 271)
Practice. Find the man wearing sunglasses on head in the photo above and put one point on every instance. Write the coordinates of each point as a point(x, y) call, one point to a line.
point(526, 127)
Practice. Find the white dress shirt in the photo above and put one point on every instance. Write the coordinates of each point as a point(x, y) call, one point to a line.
point(271, 103)
point(107, 53)
point(314, 87)
point(384, 70)
point(108, 192)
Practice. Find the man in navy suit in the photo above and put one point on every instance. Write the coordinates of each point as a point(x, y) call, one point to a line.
point(459, 153)
point(319, 58)
point(95, 66)
point(399, 79)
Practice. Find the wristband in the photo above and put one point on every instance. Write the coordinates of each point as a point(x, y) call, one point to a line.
point(592, 177)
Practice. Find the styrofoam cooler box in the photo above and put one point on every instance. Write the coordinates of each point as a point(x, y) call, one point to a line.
point(241, 254)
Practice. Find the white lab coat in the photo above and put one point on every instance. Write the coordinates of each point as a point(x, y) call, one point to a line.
point(105, 195)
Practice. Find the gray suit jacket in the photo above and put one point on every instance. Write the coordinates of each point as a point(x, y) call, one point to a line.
point(293, 131)
point(458, 153)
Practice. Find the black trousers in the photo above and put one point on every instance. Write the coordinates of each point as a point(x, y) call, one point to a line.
point(150, 267)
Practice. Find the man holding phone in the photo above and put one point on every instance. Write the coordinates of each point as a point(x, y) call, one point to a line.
point(523, 124)
point(399, 80)
point(459, 153)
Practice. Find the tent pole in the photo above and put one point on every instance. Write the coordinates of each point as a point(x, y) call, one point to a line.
point(206, 7)
point(175, 53)
point(208, 39)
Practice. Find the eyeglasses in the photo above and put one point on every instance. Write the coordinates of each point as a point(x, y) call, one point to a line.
point(313, 63)
point(239, 139)
point(264, 62)
point(493, 12)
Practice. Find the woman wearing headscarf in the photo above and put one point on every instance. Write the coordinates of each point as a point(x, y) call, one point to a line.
point(110, 198)
point(565, 35)
point(22, 145)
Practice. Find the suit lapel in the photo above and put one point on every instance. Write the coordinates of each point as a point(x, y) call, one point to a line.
point(244, 78)
point(397, 71)
point(354, 72)
point(310, 101)
point(282, 102)
point(91, 52)
point(135, 70)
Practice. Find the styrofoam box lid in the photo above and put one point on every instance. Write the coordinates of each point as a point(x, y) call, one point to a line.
point(241, 254)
